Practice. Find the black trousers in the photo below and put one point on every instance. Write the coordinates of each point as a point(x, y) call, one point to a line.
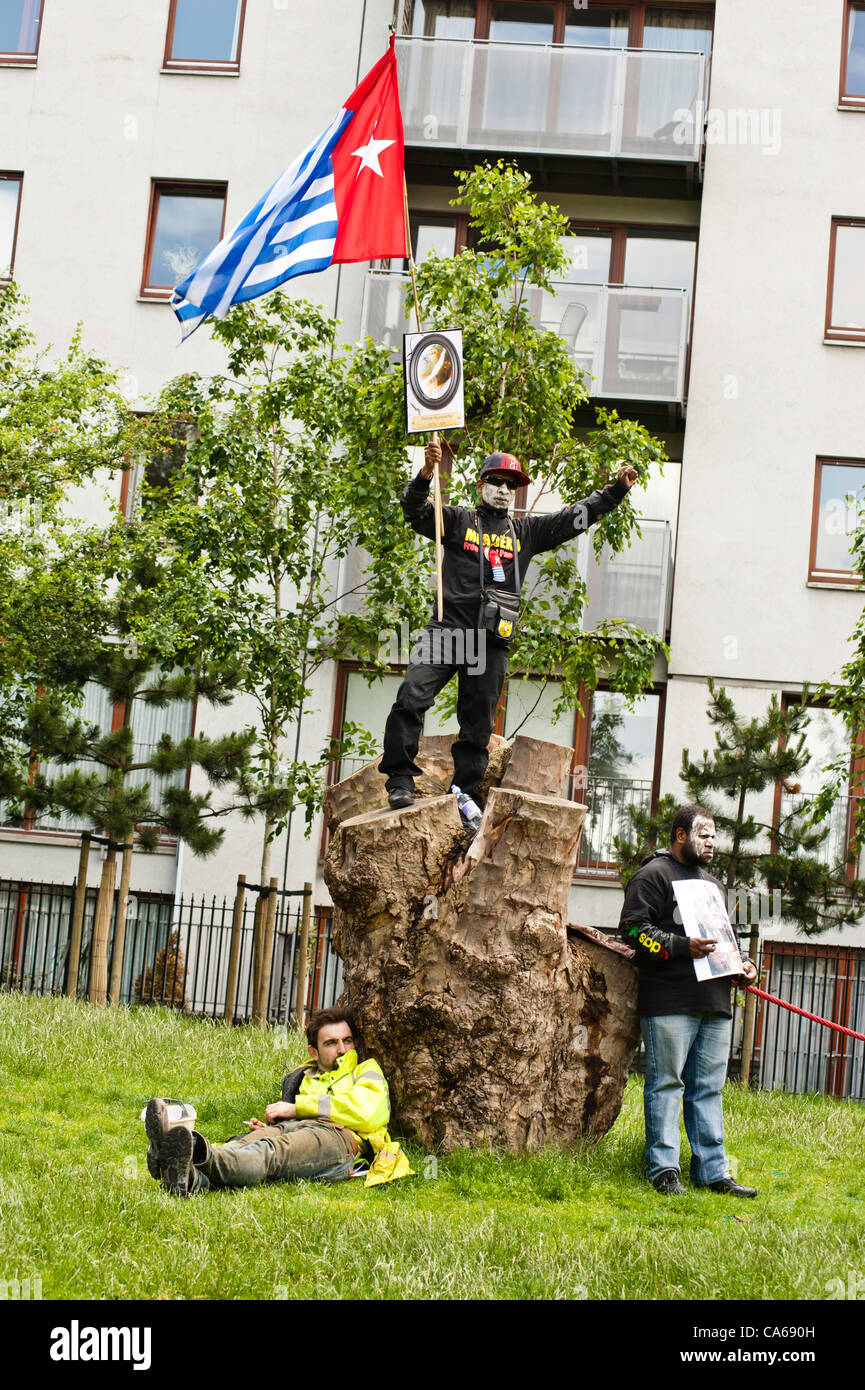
point(480, 668)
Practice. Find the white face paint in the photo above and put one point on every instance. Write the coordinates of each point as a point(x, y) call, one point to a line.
point(496, 495)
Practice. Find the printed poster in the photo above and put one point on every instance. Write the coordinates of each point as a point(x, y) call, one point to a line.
point(704, 913)
point(434, 388)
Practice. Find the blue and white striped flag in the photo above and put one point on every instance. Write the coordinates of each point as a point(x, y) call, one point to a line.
point(326, 208)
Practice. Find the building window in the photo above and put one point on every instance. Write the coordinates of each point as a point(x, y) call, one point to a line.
point(10, 201)
point(839, 500)
point(826, 741)
point(204, 35)
point(845, 304)
point(853, 55)
point(628, 24)
point(617, 767)
point(185, 223)
point(19, 31)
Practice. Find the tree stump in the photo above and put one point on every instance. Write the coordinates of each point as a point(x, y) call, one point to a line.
point(494, 1024)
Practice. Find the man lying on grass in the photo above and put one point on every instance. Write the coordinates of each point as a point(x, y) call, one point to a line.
point(334, 1110)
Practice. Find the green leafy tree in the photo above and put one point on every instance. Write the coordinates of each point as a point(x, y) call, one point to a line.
point(522, 389)
point(752, 757)
point(293, 465)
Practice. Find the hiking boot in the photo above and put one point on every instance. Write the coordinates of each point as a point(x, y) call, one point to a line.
point(175, 1161)
point(667, 1183)
point(400, 797)
point(732, 1189)
point(157, 1126)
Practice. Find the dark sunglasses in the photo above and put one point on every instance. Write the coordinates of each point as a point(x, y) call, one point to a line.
point(501, 482)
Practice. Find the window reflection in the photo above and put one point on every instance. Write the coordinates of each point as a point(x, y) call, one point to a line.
point(188, 226)
point(19, 25)
point(854, 85)
point(10, 190)
point(206, 31)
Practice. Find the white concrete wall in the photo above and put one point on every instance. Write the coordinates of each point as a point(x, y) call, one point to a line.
point(766, 395)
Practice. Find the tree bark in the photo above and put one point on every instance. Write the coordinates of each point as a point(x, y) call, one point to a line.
point(492, 1023)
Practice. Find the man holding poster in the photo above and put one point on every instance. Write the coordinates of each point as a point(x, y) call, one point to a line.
point(675, 919)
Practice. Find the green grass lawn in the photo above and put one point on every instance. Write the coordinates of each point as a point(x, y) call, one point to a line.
point(79, 1210)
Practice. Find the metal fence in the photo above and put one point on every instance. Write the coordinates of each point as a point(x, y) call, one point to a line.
point(792, 1053)
point(174, 953)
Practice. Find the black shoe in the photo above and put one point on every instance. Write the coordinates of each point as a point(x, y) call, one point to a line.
point(156, 1126)
point(733, 1189)
point(400, 797)
point(175, 1161)
point(667, 1183)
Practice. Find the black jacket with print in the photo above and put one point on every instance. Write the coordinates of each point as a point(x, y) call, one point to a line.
point(651, 924)
point(460, 567)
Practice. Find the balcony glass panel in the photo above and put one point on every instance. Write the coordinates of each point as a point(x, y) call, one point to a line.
point(644, 349)
point(630, 343)
point(661, 95)
point(634, 584)
point(562, 98)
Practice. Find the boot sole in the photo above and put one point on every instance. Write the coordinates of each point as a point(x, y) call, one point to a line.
point(175, 1161)
point(156, 1128)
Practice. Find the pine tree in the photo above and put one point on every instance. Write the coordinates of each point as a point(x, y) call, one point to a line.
point(749, 758)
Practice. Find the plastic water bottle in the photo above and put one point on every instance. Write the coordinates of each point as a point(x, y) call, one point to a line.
point(469, 810)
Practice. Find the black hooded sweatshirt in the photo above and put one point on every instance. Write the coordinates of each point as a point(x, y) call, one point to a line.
point(461, 585)
point(651, 924)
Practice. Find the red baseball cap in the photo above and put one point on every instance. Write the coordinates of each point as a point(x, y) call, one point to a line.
point(505, 463)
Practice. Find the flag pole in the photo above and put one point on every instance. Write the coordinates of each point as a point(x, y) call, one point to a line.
point(437, 486)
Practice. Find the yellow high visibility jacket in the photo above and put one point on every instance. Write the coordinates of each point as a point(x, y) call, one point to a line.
point(354, 1094)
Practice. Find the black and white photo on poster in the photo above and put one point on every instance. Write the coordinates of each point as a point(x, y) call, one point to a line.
point(704, 913)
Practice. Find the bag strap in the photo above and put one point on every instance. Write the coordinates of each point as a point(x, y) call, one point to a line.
point(480, 531)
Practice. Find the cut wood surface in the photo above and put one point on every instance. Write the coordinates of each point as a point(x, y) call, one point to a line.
point(494, 1024)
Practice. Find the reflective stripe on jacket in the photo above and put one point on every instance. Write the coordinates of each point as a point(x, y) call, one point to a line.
point(354, 1094)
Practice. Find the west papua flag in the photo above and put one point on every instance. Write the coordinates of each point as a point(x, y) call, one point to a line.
point(341, 200)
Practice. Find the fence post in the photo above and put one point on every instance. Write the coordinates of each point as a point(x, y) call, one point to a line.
point(234, 949)
point(750, 1020)
point(120, 925)
point(97, 985)
point(268, 915)
point(300, 960)
point(77, 918)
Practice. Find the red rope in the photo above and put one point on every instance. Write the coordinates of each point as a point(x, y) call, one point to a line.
point(772, 999)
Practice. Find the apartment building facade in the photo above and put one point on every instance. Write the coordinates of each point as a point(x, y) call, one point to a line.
point(708, 158)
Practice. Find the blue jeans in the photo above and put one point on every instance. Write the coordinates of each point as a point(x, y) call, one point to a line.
point(686, 1060)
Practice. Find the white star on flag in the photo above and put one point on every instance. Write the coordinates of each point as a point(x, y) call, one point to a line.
point(369, 153)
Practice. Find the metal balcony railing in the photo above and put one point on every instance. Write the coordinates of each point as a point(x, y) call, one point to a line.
point(552, 99)
point(631, 342)
point(607, 800)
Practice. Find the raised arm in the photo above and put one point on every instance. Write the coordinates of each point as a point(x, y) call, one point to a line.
point(416, 505)
point(546, 532)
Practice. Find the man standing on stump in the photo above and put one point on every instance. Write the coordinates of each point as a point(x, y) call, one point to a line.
point(459, 644)
point(685, 1022)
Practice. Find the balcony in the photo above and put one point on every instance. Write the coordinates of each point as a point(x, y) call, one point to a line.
point(632, 343)
point(607, 801)
point(631, 104)
point(840, 823)
point(635, 584)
